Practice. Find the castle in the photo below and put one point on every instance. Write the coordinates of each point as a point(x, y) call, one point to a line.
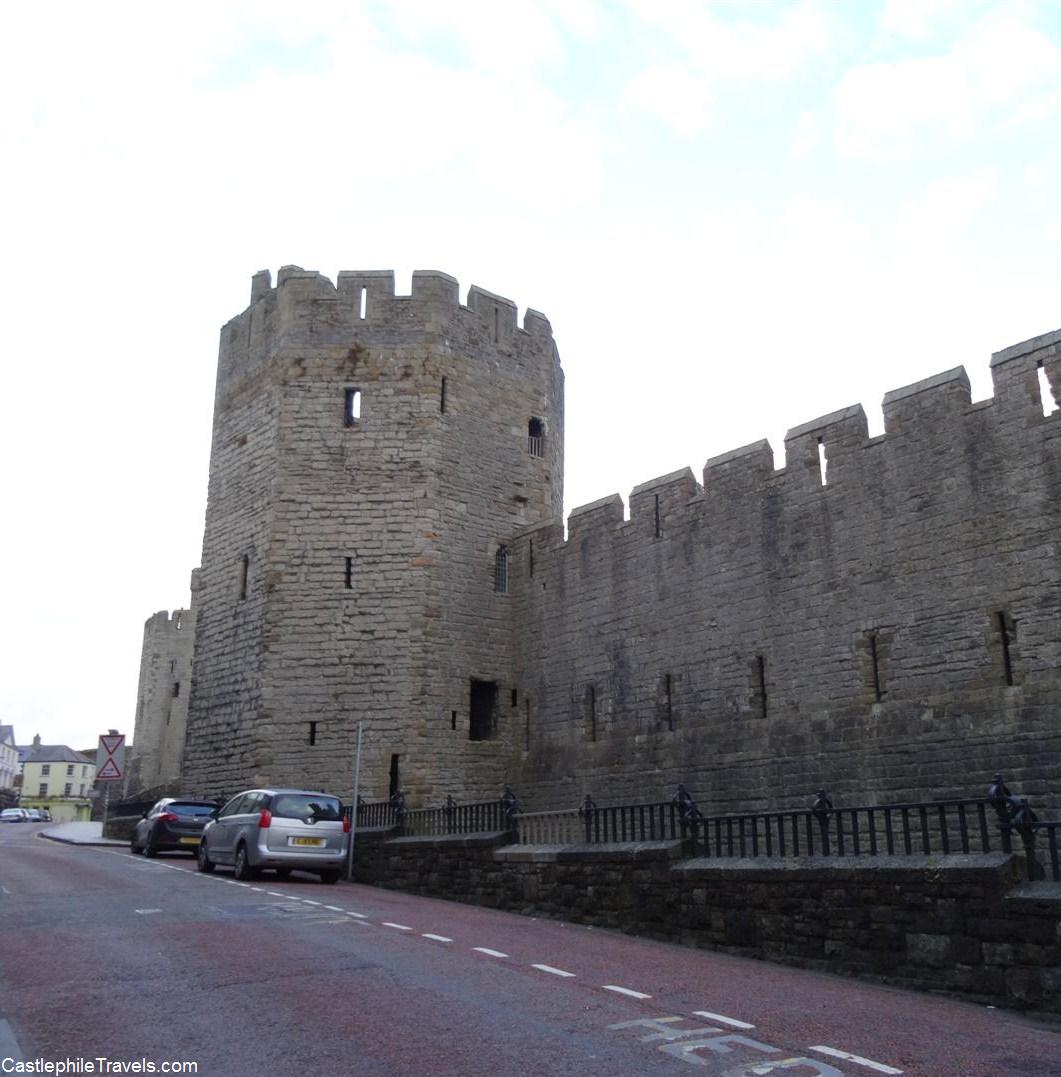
point(384, 544)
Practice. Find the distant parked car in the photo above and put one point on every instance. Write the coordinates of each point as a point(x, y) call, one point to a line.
point(33, 815)
point(13, 815)
point(280, 829)
point(172, 823)
point(46, 816)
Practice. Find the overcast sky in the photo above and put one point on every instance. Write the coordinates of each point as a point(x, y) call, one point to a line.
point(738, 217)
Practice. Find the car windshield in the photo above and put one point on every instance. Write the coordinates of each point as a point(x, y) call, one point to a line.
point(191, 810)
point(306, 806)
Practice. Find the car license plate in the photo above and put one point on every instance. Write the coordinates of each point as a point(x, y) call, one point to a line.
point(308, 841)
point(189, 841)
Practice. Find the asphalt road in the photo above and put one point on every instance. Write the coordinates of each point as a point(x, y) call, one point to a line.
point(108, 956)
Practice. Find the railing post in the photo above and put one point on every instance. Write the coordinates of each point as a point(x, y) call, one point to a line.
point(1022, 819)
point(689, 815)
point(587, 812)
point(509, 809)
point(998, 797)
point(397, 803)
point(821, 809)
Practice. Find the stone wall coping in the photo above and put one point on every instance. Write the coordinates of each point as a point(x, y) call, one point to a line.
point(953, 868)
point(482, 839)
point(615, 852)
point(1035, 897)
point(1046, 340)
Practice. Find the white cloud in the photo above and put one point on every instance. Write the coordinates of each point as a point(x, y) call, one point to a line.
point(883, 109)
point(807, 136)
point(673, 94)
point(918, 19)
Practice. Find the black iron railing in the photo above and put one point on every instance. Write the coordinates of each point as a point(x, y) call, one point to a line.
point(919, 828)
point(452, 818)
point(379, 812)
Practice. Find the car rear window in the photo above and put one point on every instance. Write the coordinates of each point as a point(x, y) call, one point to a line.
point(306, 806)
point(191, 810)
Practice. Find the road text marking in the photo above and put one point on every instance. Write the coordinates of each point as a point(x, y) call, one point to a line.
point(489, 952)
point(731, 1021)
point(880, 1067)
point(625, 991)
point(552, 971)
point(437, 938)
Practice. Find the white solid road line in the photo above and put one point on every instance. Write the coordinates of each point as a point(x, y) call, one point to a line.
point(275, 893)
point(880, 1067)
point(625, 991)
point(488, 952)
point(400, 927)
point(334, 908)
point(437, 938)
point(308, 902)
point(722, 1019)
point(359, 915)
point(552, 971)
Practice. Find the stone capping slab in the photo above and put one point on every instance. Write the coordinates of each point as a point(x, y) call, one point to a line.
point(1026, 346)
point(955, 374)
point(754, 449)
point(600, 503)
point(1035, 897)
point(853, 411)
point(480, 840)
point(665, 480)
point(624, 852)
point(954, 867)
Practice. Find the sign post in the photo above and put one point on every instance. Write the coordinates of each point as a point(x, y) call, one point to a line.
point(110, 764)
point(353, 808)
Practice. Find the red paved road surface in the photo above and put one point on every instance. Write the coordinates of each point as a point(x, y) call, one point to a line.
point(104, 954)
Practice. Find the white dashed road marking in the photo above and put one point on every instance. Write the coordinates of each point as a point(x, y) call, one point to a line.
point(334, 908)
point(880, 1067)
point(437, 938)
point(275, 893)
point(359, 915)
point(488, 952)
point(552, 971)
point(722, 1020)
point(308, 902)
point(144, 912)
point(400, 927)
point(625, 991)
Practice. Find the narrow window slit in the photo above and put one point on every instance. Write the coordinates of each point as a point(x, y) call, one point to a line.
point(442, 398)
point(592, 713)
point(530, 557)
point(760, 665)
point(453, 719)
point(667, 690)
point(313, 732)
point(1002, 624)
point(501, 570)
point(1046, 395)
point(875, 661)
point(823, 463)
point(526, 724)
point(352, 407)
point(363, 303)
point(497, 325)
point(244, 572)
point(349, 574)
point(658, 528)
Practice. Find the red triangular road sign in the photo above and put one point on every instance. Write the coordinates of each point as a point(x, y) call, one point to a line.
point(109, 770)
point(110, 744)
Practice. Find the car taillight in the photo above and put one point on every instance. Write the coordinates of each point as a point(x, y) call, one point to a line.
point(265, 819)
point(167, 817)
point(346, 824)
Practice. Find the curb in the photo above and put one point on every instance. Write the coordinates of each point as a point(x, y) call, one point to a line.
point(103, 843)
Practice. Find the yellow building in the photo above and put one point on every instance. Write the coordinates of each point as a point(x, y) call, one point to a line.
point(59, 779)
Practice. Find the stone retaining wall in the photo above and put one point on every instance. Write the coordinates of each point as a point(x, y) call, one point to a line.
point(964, 925)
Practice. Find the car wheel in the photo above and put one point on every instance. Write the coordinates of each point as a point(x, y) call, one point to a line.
point(241, 868)
point(206, 865)
point(283, 873)
point(330, 875)
point(149, 848)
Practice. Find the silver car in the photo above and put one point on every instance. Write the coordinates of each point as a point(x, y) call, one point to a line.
point(281, 829)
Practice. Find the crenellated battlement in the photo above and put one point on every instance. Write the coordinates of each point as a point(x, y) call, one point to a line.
point(833, 455)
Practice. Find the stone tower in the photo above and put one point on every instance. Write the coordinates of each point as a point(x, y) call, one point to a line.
point(372, 457)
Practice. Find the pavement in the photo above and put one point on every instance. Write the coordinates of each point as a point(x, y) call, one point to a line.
point(79, 834)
